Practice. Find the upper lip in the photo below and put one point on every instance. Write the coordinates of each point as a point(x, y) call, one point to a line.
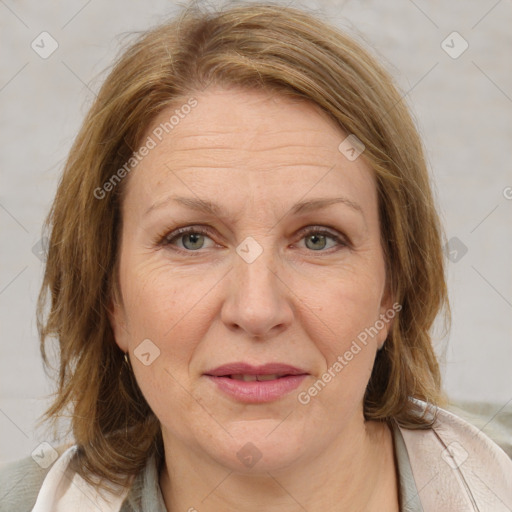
point(240, 368)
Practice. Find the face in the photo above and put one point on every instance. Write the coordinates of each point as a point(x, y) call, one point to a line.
point(256, 281)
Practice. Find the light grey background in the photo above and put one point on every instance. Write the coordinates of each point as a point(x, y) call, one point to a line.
point(463, 108)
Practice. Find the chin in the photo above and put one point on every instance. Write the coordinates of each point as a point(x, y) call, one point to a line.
point(259, 446)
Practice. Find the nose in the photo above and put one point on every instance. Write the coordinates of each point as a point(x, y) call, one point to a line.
point(258, 299)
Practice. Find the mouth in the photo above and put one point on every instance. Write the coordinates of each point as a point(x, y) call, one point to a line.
point(256, 384)
point(240, 370)
point(259, 378)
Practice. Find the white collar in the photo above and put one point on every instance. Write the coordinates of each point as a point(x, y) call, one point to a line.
point(64, 490)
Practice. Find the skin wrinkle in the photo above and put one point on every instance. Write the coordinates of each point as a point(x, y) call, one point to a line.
point(226, 218)
point(291, 305)
point(234, 217)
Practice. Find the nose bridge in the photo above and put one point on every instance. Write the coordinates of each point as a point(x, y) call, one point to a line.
point(257, 262)
point(258, 300)
point(256, 267)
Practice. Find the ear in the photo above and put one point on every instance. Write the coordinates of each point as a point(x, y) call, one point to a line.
point(387, 312)
point(117, 318)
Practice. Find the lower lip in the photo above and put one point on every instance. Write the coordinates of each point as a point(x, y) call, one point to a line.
point(257, 391)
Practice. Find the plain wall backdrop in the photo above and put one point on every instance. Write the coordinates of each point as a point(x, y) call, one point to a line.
point(450, 59)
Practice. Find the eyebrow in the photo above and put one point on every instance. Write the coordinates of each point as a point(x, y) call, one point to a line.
point(205, 206)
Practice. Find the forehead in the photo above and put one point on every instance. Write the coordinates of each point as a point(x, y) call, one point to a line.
point(237, 145)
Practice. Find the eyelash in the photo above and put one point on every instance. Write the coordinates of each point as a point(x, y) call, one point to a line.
point(166, 239)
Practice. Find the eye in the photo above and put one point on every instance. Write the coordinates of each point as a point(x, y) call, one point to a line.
point(193, 239)
point(318, 239)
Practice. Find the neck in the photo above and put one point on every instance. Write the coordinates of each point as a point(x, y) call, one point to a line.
point(355, 473)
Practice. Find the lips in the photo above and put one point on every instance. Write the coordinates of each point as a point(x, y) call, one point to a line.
point(241, 371)
point(256, 384)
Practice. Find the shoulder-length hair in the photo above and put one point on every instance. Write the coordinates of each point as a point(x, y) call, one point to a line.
point(256, 45)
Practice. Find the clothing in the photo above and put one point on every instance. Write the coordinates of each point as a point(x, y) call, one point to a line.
point(146, 495)
point(450, 467)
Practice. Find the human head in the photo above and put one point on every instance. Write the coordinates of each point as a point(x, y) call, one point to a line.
point(290, 53)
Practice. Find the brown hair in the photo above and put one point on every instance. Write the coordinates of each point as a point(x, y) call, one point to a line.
point(259, 45)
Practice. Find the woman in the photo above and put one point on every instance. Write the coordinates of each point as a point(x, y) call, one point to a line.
point(213, 357)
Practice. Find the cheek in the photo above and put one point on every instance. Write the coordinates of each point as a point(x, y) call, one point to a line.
point(345, 306)
point(167, 393)
point(159, 299)
point(172, 309)
point(352, 312)
point(169, 310)
point(344, 329)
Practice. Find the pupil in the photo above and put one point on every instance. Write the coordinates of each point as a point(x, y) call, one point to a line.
point(316, 238)
point(194, 238)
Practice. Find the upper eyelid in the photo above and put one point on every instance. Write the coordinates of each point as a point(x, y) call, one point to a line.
point(208, 230)
point(340, 238)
